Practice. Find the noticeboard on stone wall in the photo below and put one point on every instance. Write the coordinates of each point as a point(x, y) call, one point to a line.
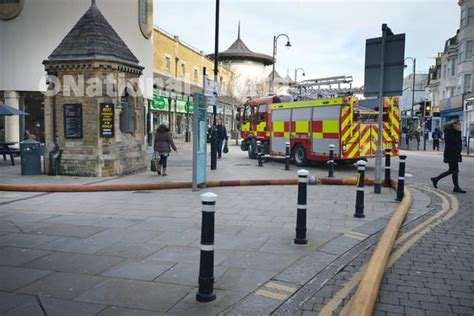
point(72, 120)
point(107, 120)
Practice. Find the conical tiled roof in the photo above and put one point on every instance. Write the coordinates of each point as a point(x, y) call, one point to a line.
point(239, 51)
point(93, 38)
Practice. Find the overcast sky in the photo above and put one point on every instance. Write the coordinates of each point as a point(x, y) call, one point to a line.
point(327, 37)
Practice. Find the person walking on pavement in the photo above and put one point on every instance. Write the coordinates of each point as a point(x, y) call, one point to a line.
point(452, 154)
point(418, 138)
point(162, 147)
point(436, 137)
point(221, 136)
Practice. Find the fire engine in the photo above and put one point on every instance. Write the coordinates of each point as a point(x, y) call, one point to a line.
point(311, 126)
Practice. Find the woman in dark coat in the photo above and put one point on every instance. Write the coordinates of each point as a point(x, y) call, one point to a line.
point(452, 154)
point(163, 144)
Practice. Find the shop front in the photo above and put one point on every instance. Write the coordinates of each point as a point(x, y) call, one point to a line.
point(179, 114)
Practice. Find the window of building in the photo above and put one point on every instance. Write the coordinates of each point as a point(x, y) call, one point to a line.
point(467, 83)
point(445, 70)
point(127, 116)
point(444, 94)
point(453, 66)
point(469, 49)
point(470, 17)
point(196, 74)
point(168, 63)
point(183, 69)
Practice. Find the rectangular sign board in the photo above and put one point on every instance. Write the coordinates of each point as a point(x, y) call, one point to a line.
point(72, 120)
point(393, 65)
point(107, 120)
point(199, 141)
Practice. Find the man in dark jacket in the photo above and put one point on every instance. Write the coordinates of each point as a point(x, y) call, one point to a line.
point(452, 154)
point(221, 136)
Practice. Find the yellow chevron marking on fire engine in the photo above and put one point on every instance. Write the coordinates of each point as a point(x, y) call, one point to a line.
point(278, 126)
point(302, 126)
point(318, 135)
point(246, 127)
point(280, 287)
point(272, 295)
point(330, 126)
point(261, 126)
point(286, 134)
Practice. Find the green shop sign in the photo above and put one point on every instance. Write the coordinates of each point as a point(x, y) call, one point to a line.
point(161, 103)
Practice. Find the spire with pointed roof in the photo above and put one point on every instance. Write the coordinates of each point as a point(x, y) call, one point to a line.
point(239, 51)
point(93, 38)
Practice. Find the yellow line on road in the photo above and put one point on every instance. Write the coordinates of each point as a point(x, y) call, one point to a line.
point(272, 295)
point(280, 287)
point(418, 232)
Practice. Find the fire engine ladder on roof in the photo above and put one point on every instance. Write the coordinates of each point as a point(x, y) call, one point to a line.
point(322, 88)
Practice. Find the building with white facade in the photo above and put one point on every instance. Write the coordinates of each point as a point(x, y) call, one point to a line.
point(31, 29)
point(249, 69)
point(465, 66)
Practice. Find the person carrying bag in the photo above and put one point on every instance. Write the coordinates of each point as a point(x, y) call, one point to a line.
point(162, 147)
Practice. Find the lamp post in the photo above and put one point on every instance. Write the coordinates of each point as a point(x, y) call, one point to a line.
point(275, 40)
point(296, 74)
point(412, 88)
point(216, 77)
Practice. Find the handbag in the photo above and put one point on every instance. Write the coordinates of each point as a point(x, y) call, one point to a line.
point(226, 148)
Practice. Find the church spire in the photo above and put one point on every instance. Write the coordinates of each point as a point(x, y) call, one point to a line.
point(238, 31)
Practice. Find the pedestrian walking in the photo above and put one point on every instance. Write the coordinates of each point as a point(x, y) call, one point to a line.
point(162, 147)
point(221, 136)
point(418, 138)
point(452, 154)
point(436, 138)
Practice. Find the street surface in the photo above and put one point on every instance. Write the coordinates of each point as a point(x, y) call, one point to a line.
point(137, 253)
point(431, 271)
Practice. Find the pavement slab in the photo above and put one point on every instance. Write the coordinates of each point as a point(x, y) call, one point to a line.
point(10, 256)
point(62, 285)
point(74, 263)
point(138, 270)
point(58, 307)
point(12, 278)
point(152, 296)
point(120, 311)
point(9, 301)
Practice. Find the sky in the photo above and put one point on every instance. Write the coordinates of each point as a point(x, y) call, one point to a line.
point(327, 37)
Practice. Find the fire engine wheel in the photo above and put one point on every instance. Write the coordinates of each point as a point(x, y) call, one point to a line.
point(252, 151)
point(299, 155)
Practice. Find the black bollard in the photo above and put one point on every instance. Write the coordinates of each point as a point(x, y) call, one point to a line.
point(287, 156)
point(387, 167)
point(301, 208)
point(331, 161)
point(401, 178)
point(206, 263)
point(359, 207)
point(259, 153)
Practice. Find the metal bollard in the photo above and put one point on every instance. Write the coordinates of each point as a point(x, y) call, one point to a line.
point(287, 156)
point(387, 167)
point(259, 153)
point(331, 161)
point(206, 263)
point(359, 207)
point(401, 178)
point(301, 208)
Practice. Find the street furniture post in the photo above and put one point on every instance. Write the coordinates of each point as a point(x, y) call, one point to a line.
point(301, 208)
point(331, 161)
point(359, 207)
point(387, 167)
point(287, 156)
point(401, 178)
point(259, 153)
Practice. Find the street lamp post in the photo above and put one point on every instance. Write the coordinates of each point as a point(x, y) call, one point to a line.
point(412, 89)
point(275, 40)
point(296, 74)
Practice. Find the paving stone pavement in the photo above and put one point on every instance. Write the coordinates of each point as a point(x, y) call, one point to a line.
point(434, 277)
point(137, 253)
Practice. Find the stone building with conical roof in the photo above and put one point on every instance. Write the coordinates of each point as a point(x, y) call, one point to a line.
point(249, 69)
point(94, 111)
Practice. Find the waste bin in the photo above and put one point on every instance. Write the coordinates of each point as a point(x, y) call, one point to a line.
point(31, 152)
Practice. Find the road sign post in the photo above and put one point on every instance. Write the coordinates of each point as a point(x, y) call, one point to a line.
point(384, 63)
point(199, 141)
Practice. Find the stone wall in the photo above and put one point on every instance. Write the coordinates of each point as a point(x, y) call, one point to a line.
point(91, 155)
